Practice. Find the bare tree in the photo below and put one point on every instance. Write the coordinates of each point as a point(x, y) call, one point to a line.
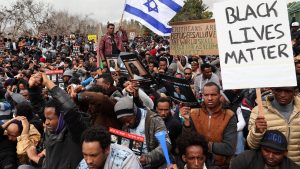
point(24, 16)
point(63, 23)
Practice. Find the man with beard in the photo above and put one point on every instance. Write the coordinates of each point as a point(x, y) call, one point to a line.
point(173, 125)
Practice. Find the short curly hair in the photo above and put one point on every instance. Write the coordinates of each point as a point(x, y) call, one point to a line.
point(190, 139)
point(97, 133)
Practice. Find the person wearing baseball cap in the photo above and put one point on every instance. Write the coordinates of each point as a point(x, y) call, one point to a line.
point(271, 155)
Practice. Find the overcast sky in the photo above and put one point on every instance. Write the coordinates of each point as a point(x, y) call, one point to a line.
point(100, 10)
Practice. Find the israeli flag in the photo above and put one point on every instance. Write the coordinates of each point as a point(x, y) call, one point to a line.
point(154, 14)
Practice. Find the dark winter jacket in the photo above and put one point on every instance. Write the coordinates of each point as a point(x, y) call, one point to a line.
point(8, 155)
point(254, 160)
point(64, 149)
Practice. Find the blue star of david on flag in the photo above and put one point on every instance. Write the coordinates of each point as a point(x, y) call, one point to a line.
point(154, 14)
point(151, 5)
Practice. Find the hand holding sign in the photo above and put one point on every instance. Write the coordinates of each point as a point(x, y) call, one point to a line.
point(260, 124)
point(186, 114)
point(133, 88)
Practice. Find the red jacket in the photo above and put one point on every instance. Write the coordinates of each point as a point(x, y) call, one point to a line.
point(105, 45)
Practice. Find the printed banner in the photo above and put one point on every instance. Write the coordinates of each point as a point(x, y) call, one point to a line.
point(132, 141)
point(56, 77)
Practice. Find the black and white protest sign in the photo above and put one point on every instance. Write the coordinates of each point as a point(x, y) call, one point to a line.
point(112, 62)
point(56, 76)
point(254, 44)
point(179, 90)
point(136, 69)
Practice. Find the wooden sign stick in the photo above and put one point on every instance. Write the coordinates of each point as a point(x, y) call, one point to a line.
point(259, 102)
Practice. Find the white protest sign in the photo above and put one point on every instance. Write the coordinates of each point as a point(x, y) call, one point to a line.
point(254, 44)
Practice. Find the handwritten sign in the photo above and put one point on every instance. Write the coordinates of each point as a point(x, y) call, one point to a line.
point(254, 44)
point(194, 37)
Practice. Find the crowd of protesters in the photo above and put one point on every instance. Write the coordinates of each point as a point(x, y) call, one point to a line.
point(48, 125)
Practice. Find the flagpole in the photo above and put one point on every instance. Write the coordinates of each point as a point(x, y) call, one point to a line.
point(122, 14)
point(121, 18)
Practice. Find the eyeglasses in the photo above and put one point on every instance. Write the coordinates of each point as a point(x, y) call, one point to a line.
point(187, 73)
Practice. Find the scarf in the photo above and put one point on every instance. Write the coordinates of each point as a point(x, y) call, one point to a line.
point(61, 124)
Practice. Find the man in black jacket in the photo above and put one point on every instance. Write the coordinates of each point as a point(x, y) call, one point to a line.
point(271, 155)
point(64, 126)
point(8, 155)
point(173, 125)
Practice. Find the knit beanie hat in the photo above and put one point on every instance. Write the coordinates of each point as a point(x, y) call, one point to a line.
point(68, 72)
point(124, 107)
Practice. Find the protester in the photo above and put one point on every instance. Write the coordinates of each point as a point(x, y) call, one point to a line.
point(99, 153)
point(110, 43)
point(217, 124)
point(144, 123)
point(64, 126)
point(173, 125)
point(188, 75)
point(194, 151)
point(107, 96)
point(206, 76)
point(272, 154)
point(280, 112)
point(24, 134)
point(8, 155)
